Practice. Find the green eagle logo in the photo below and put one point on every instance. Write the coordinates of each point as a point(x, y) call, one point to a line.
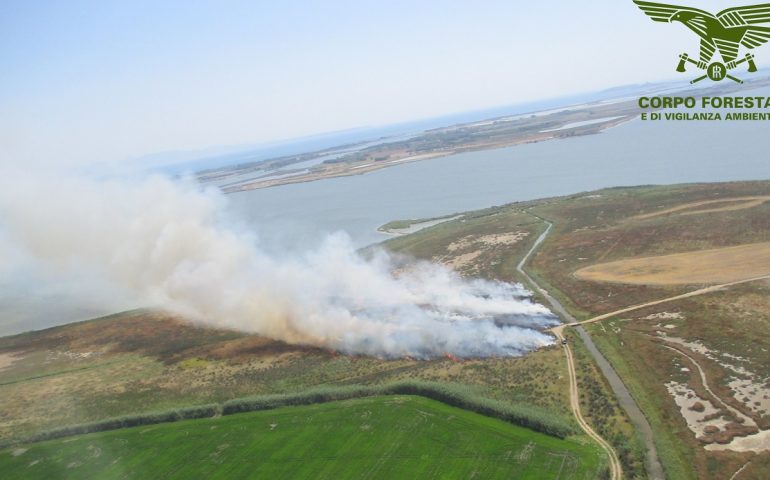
point(724, 32)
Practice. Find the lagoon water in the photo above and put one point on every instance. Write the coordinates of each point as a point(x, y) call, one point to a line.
point(635, 153)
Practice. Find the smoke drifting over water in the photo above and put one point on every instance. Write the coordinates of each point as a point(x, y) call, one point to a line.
point(68, 245)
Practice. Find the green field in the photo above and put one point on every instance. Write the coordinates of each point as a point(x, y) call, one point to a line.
point(142, 362)
point(378, 437)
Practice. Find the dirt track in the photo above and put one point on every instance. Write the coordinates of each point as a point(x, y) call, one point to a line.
point(742, 203)
point(616, 469)
point(704, 380)
point(694, 293)
point(574, 399)
point(652, 464)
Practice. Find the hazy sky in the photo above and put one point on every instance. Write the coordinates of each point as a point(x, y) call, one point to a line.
point(83, 82)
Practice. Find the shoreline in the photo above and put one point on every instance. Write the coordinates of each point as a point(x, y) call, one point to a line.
point(416, 225)
point(364, 167)
point(490, 134)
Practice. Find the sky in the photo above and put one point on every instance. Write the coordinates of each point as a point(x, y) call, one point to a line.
point(88, 82)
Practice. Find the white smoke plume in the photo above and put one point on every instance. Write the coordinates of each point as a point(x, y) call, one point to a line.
point(108, 245)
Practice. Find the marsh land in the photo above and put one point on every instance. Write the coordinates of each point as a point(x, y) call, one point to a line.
point(695, 366)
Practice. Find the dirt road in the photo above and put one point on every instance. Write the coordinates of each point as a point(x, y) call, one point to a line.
point(628, 404)
point(626, 401)
point(616, 469)
point(694, 293)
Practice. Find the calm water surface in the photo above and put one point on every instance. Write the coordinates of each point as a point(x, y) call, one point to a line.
point(636, 153)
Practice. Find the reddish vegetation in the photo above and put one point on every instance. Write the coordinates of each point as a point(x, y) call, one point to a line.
point(155, 334)
point(601, 228)
point(597, 230)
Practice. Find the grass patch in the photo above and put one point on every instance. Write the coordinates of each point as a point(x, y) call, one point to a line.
point(601, 409)
point(54, 384)
point(455, 395)
point(675, 456)
point(376, 437)
point(405, 224)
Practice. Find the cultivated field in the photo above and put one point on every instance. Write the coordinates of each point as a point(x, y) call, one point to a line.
point(380, 437)
point(715, 266)
point(490, 243)
point(697, 366)
point(144, 361)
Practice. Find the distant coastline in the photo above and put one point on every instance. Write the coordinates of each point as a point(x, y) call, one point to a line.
point(495, 133)
point(553, 129)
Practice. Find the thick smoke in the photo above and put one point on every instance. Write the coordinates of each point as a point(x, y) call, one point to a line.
point(69, 246)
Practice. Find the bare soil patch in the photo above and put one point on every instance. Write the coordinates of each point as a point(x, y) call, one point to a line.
point(702, 416)
point(759, 442)
point(464, 253)
point(8, 359)
point(721, 265)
